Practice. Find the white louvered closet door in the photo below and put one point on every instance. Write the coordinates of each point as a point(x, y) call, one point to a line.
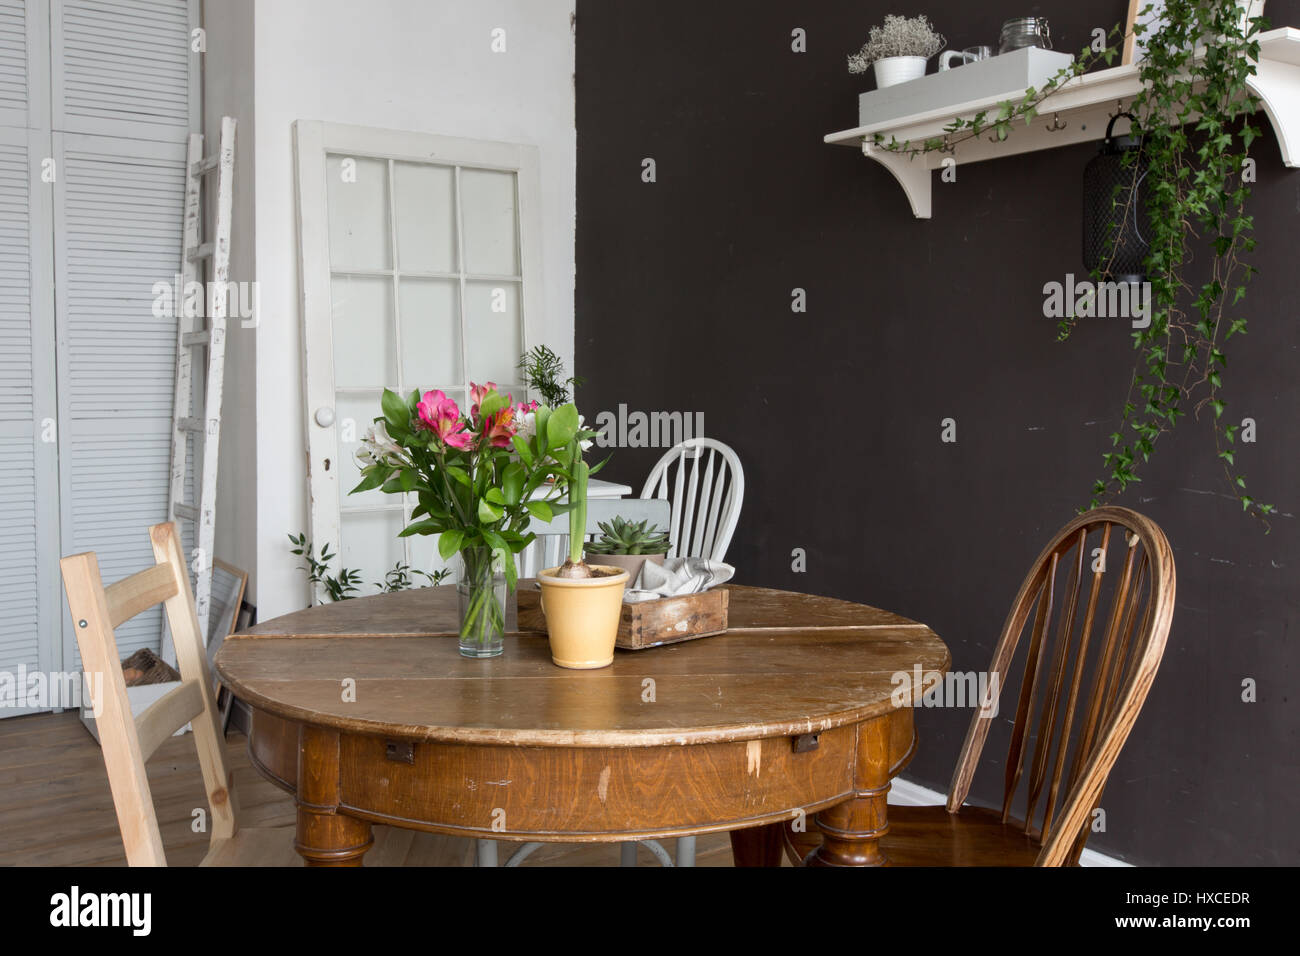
point(117, 233)
point(124, 68)
point(97, 98)
point(123, 101)
point(29, 585)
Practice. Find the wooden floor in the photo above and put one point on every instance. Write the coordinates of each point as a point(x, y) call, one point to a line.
point(56, 809)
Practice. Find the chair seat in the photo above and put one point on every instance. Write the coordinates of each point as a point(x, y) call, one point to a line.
point(931, 836)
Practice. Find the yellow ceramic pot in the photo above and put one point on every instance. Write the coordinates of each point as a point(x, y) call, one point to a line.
point(582, 616)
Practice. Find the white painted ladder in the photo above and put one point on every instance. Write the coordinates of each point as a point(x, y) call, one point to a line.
point(204, 330)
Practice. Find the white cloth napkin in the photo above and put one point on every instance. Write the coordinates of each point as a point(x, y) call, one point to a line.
point(677, 576)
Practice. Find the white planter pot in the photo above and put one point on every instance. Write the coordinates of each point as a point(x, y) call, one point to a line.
point(893, 70)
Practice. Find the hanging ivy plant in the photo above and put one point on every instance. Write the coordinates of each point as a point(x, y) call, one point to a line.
point(1194, 111)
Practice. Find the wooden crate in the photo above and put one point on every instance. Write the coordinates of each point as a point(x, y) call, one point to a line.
point(649, 623)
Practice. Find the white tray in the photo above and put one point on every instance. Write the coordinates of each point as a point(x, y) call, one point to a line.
point(1004, 77)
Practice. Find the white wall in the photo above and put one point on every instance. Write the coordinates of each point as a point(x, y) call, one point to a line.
point(228, 91)
point(419, 65)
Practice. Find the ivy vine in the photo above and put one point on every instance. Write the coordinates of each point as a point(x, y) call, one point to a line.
point(1194, 112)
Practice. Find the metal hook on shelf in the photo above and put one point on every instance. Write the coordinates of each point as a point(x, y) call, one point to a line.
point(1056, 123)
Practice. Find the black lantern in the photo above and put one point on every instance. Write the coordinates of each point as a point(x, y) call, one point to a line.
point(1115, 223)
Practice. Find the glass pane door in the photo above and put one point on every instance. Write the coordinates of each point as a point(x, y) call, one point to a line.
point(426, 293)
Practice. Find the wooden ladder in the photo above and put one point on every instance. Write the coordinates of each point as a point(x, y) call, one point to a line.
point(206, 330)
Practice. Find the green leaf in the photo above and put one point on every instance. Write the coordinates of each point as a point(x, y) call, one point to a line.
point(373, 480)
point(429, 526)
point(498, 543)
point(488, 513)
point(396, 414)
point(512, 483)
point(522, 449)
point(541, 510)
point(561, 426)
point(459, 474)
point(492, 404)
point(540, 418)
point(449, 542)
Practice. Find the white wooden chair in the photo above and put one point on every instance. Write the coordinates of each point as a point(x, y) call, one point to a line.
point(128, 741)
point(706, 493)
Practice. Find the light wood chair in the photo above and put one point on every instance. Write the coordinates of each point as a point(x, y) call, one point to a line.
point(1054, 718)
point(128, 741)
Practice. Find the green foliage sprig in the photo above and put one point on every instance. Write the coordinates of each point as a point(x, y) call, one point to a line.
point(347, 582)
point(1193, 81)
point(401, 577)
point(543, 373)
point(338, 587)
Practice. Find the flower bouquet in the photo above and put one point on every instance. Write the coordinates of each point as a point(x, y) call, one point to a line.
point(478, 479)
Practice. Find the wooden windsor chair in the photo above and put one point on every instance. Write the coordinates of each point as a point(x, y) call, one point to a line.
point(1058, 725)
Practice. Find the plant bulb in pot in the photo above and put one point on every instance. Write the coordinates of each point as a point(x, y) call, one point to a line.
point(574, 567)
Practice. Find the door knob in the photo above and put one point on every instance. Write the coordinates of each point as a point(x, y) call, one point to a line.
point(324, 416)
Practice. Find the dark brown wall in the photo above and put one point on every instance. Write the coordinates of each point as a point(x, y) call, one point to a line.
point(683, 302)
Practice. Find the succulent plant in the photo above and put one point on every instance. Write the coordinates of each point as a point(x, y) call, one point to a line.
point(625, 537)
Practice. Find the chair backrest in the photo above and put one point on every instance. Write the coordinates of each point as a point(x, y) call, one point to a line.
point(707, 491)
point(128, 741)
point(1127, 556)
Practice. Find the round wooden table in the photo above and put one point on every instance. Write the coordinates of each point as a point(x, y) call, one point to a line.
point(366, 713)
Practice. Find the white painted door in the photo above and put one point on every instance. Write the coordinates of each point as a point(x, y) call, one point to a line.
point(420, 268)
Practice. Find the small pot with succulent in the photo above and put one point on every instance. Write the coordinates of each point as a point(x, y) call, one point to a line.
point(629, 545)
point(898, 50)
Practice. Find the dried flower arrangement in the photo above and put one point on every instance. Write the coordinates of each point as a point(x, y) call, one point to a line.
point(900, 36)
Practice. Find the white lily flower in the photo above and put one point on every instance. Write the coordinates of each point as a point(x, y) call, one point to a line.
point(586, 445)
point(377, 446)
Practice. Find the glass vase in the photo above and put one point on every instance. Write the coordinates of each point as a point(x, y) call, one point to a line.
point(483, 601)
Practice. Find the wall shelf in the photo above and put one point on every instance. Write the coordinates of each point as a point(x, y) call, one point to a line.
point(1083, 105)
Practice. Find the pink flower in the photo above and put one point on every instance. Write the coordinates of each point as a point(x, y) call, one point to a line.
point(500, 427)
point(440, 415)
point(476, 395)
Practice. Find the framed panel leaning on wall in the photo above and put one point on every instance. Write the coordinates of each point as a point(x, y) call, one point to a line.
point(420, 264)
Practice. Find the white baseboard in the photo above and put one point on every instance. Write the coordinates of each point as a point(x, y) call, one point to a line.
point(908, 794)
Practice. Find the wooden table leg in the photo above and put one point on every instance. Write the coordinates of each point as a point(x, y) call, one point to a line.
point(758, 846)
point(325, 836)
point(851, 831)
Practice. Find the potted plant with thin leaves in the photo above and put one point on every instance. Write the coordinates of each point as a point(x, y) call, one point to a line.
point(542, 371)
point(582, 602)
point(629, 545)
point(897, 50)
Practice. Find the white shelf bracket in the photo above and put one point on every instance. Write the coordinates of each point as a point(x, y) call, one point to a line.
point(912, 174)
point(1277, 84)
